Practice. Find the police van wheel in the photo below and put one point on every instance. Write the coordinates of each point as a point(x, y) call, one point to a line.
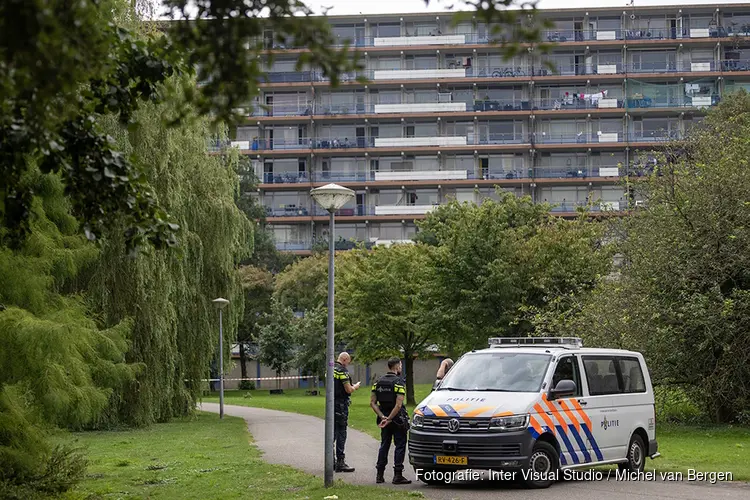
point(543, 466)
point(636, 455)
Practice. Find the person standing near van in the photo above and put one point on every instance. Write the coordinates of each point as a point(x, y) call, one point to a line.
point(387, 401)
point(445, 366)
point(342, 389)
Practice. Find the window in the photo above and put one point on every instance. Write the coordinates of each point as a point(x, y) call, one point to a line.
point(632, 375)
point(567, 369)
point(601, 375)
point(497, 371)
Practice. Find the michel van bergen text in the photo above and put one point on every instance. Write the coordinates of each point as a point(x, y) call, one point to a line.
point(572, 475)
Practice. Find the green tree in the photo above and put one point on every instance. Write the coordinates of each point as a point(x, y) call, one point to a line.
point(57, 365)
point(682, 295)
point(167, 295)
point(310, 342)
point(496, 265)
point(304, 285)
point(257, 286)
point(276, 339)
point(378, 305)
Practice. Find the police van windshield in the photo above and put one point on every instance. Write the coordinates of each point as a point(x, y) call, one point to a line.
point(497, 371)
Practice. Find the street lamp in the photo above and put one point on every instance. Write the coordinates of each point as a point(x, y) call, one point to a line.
point(221, 304)
point(331, 197)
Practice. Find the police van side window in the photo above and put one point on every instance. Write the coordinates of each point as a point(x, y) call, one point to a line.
point(632, 375)
point(601, 375)
point(567, 369)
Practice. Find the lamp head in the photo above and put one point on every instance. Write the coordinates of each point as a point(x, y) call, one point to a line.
point(331, 197)
point(220, 303)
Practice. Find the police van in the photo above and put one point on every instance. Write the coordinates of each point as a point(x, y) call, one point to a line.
point(535, 408)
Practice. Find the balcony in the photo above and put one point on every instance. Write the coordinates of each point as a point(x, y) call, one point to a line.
point(656, 136)
point(287, 211)
point(406, 41)
point(417, 74)
point(285, 177)
point(353, 211)
point(498, 138)
point(572, 172)
point(417, 175)
point(578, 101)
point(501, 105)
point(293, 245)
point(422, 107)
point(735, 65)
point(403, 209)
point(399, 142)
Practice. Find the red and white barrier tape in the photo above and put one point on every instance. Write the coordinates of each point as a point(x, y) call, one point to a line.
point(259, 378)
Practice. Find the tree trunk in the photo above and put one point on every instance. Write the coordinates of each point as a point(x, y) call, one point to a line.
point(409, 360)
point(243, 360)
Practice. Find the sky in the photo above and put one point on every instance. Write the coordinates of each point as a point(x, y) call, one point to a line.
point(344, 7)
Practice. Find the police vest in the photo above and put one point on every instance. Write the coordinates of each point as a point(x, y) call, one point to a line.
point(386, 390)
point(340, 378)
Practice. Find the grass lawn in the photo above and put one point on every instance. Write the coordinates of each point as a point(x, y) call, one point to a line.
point(200, 458)
point(714, 449)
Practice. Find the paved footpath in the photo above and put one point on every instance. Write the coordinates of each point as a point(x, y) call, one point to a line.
point(297, 440)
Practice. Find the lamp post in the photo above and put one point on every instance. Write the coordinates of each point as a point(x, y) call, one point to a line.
point(331, 197)
point(221, 304)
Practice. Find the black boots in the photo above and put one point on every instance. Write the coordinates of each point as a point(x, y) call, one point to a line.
point(379, 477)
point(341, 466)
point(398, 478)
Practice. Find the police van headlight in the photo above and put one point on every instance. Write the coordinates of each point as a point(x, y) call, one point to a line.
point(417, 421)
point(511, 423)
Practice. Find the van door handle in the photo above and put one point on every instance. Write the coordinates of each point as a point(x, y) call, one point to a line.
point(582, 403)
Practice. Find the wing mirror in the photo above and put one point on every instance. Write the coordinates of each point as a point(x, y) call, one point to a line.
point(563, 388)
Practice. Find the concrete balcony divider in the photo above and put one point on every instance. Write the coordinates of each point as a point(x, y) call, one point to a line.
point(699, 33)
point(403, 209)
point(396, 41)
point(702, 101)
point(240, 144)
point(387, 243)
point(430, 175)
point(700, 66)
point(609, 205)
point(397, 142)
point(606, 69)
point(607, 103)
point(609, 137)
point(421, 107)
point(606, 35)
point(609, 172)
point(416, 74)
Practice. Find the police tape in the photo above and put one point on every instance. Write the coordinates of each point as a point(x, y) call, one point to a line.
point(258, 378)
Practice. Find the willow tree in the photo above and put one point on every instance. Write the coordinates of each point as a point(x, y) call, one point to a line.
point(168, 294)
point(57, 366)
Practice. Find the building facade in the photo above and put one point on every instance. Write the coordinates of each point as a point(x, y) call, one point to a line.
point(443, 117)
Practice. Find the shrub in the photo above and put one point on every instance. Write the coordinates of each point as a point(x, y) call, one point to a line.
point(678, 405)
point(247, 385)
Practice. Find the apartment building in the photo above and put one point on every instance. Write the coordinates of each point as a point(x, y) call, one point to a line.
point(443, 117)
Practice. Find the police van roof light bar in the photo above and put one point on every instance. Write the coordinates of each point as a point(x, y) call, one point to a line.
point(564, 342)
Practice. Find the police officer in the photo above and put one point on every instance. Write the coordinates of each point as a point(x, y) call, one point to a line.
point(387, 401)
point(342, 388)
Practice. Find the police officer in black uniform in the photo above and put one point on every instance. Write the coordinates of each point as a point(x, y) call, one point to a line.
point(342, 388)
point(387, 401)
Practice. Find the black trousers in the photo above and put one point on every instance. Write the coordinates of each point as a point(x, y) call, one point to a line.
point(397, 434)
point(340, 421)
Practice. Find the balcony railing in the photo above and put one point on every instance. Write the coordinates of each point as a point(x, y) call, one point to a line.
point(498, 138)
point(293, 245)
point(287, 211)
point(493, 174)
point(285, 177)
point(572, 102)
point(358, 210)
point(735, 65)
point(501, 105)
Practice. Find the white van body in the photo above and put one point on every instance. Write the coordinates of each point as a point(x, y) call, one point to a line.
point(495, 406)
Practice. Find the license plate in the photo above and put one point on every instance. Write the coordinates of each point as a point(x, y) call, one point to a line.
point(451, 460)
